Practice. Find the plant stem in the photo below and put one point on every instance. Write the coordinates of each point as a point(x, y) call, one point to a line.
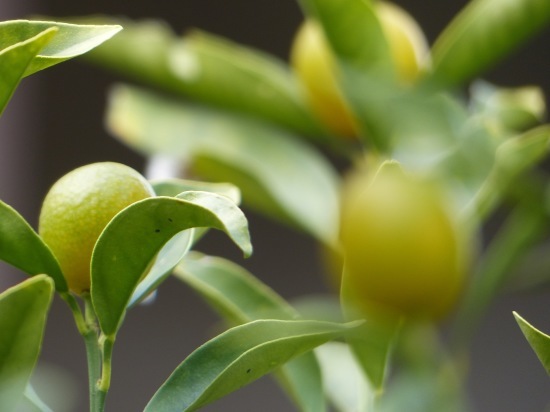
point(93, 352)
point(107, 342)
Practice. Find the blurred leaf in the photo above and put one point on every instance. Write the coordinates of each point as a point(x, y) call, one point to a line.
point(173, 186)
point(212, 70)
point(231, 290)
point(344, 381)
point(507, 110)
point(354, 32)
point(278, 175)
point(516, 156)
point(130, 242)
point(15, 59)
point(240, 297)
point(540, 342)
point(70, 40)
point(372, 342)
point(21, 247)
point(23, 312)
point(366, 71)
point(32, 397)
point(483, 33)
point(237, 357)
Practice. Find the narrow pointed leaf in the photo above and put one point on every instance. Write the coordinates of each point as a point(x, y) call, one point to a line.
point(240, 297)
point(21, 247)
point(277, 174)
point(539, 341)
point(71, 40)
point(16, 58)
point(237, 357)
point(126, 248)
point(482, 34)
point(23, 311)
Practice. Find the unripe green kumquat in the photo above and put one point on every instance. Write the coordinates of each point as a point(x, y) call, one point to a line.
point(79, 206)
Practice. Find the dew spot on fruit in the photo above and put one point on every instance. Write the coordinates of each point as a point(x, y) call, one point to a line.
point(248, 370)
point(157, 230)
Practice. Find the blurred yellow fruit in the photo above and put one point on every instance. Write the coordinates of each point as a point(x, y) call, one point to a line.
point(403, 251)
point(315, 66)
point(78, 207)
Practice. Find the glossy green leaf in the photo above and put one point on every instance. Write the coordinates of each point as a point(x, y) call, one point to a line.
point(23, 312)
point(21, 247)
point(344, 381)
point(237, 357)
point(16, 58)
point(539, 341)
point(482, 34)
point(277, 174)
point(131, 241)
point(240, 297)
point(212, 70)
point(70, 40)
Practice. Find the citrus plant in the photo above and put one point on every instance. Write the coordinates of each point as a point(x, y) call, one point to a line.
point(436, 153)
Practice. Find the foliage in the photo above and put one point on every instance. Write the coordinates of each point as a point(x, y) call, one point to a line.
point(238, 119)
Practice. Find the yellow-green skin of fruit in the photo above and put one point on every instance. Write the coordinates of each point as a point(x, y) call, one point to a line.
point(315, 66)
point(78, 207)
point(403, 252)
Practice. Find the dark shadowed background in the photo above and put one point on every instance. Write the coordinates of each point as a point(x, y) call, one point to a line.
point(54, 124)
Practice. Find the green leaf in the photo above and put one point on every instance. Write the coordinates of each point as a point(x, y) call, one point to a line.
point(70, 40)
point(16, 58)
point(483, 33)
point(21, 247)
point(23, 310)
point(231, 290)
point(354, 33)
point(238, 357)
point(212, 70)
point(32, 398)
point(277, 174)
point(344, 381)
point(171, 253)
point(372, 343)
point(507, 111)
point(173, 187)
point(514, 157)
point(540, 342)
point(240, 297)
point(130, 242)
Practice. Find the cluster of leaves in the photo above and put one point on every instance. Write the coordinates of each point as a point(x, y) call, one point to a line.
point(484, 148)
point(122, 278)
point(261, 142)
